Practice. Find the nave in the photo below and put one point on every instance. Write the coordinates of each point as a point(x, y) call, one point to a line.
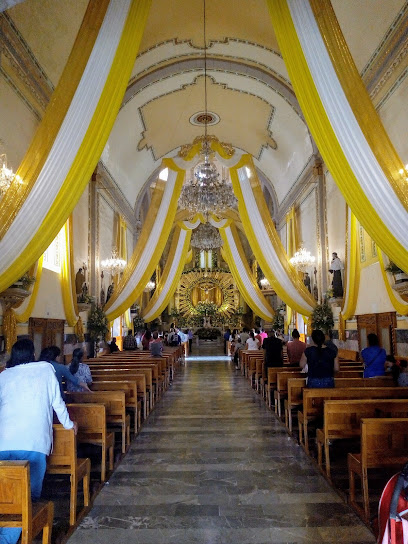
point(213, 465)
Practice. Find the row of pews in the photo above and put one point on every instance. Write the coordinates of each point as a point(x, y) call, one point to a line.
point(368, 414)
point(126, 387)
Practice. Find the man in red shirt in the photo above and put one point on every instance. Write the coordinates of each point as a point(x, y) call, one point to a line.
point(295, 348)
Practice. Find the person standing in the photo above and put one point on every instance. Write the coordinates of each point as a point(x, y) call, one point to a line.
point(227, 335)
point(295, 348)
point(321, 361)
point(252, 343)
point(29, 392)
point(190, 340)
point(244, 335)
point(373, 357)
point(129, 342)
point(156, 345)
point(273, 352)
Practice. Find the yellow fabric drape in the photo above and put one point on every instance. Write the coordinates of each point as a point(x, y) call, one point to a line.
point(228, 257)
point(166, 274)
point(358, 97)
point(67, 279)
point(9, 329)
point(324, 135)
point(28, 310)
point(92, 145)
point(352, 276)
point(44, 137)
point(156, 251)
point(342, 327)
point(292, 275)
point(397, 301)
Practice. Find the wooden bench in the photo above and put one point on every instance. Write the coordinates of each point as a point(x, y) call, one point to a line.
point(348, 355)
point(63, 460)
point(384, 444)
point(130, 388)
point(342, 419)
point(272, 379)
point(16, 507)
point(92, 429)
point(116, 417)
point(313, 401)
point(281, 390)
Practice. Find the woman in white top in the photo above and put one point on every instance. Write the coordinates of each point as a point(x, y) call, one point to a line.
point(252, 343)
point(29, 392)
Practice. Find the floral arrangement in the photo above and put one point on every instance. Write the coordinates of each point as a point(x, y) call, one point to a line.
point(208, 333)
point(322, 317)
point(85, 299)
point(279, 318)
point(98, 324)
point(206, 308)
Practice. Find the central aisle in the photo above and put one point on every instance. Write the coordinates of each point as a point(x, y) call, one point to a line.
point(213, 465)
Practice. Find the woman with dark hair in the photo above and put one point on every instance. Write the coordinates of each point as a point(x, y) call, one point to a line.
point(79, 370)
point(321, 361)
point(146, 340)
point(29, 393)
point(373, 358)
point(62, 372)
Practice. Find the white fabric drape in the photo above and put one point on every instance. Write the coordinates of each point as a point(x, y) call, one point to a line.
point(146, 255)
point(170, 277)
point(69, 138)
point(348, 132)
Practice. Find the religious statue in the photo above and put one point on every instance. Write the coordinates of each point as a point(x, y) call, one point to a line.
point(315, 292)
point(336, 266)
point(110, 291)
point(306, 281)
point(79, 281)
point(102, 296)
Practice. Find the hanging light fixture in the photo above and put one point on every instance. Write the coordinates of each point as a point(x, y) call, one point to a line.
point(206, 237)
point(302, 259)
point(205, 192)
point(150, 285)
point(114, 265)
point(264, 283)
point(7, 176)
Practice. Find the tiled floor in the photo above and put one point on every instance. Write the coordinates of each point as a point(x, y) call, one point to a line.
point(213, 465)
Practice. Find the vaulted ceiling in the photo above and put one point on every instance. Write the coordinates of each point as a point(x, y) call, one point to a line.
point(249, 92)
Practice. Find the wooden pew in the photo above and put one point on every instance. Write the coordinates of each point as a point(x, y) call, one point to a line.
point(281, 390)
point(272, 379)
point(139, 380)
point(116, 416)
point(341, 419)
point(348, 355)
point(16, 507)
point(92, 429)
point(130, 388)
point(384, 444)
point(313, 401)
point(63, 460)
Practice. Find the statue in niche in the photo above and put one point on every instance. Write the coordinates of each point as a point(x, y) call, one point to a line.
point(110, 291)
point(306, 281)
point(102, 296)
point(315, 292)
point(79, 281)
point(336, 266)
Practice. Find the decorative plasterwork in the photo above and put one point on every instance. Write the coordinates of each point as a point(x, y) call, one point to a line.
point(21, 69)
point(388, 66)
point(108, 184)
point(172, 110)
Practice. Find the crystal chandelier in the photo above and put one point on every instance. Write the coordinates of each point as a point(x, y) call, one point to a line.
point(7, 176)
point(264, 283)
point(206, 237)
point(302, 259)
point(114, 265)
point(150, 285)
point(205, 193)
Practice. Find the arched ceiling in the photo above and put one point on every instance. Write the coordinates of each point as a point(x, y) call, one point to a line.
point(248, 87)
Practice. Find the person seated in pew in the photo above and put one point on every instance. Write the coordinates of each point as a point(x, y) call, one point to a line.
point(252, 343)
point(29, 393)
point(129, 342)
point(403, 375)
point(113, 346)
point(373, 358)
point(156, 345)
point(295, 348)
point(80, 370)
point(103, 349)
point(62, 372)
point(322, 362)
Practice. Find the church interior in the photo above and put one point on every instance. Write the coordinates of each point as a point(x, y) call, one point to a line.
point(208, 165)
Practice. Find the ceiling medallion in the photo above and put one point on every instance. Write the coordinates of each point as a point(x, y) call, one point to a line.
point(204, 118)
point(206, 237)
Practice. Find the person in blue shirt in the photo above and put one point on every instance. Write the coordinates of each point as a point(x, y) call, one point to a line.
point(62, 372)
point(373, 358)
